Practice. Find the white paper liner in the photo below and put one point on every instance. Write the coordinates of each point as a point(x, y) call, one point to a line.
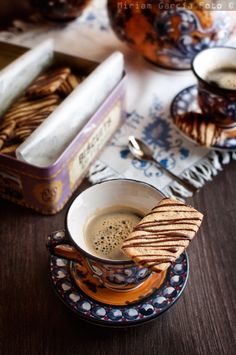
point(15, 78)
point(51, 138)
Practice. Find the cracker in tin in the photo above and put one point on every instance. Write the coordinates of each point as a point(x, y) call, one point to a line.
point(30, 106)
point(6, 132)
point(39, 115)
point(48, 83)
point(9, 149)
point(69, 84)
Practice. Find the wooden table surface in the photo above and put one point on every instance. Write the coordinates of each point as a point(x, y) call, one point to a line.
point(34, 321)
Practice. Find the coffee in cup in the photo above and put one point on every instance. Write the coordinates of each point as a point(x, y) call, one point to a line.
point(96, 262)
point(224, 78)
point(106, 231)
point(215, 69)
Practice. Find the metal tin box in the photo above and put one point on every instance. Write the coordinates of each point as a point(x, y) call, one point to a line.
point(46, 190)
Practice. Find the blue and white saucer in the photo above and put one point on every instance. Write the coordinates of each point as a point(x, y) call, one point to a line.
point(186, 101)
point(119, 316)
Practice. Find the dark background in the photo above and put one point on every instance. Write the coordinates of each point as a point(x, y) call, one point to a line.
point(10, 9)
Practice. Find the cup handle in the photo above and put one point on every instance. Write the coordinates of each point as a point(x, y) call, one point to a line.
point(59, 244)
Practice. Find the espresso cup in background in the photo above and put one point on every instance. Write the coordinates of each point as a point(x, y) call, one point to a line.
point(215, 70)
point(117, 275)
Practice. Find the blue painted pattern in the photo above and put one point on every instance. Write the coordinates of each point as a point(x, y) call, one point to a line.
point(87, 308)
point(159, 135)
point(186, 46)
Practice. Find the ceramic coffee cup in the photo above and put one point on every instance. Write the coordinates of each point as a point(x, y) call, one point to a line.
point(118, 275)
point(215, 69)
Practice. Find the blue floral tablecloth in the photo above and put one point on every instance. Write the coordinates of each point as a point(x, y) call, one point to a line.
point(150, 92)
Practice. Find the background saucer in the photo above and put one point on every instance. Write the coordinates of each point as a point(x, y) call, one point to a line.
point(186, 101)
point(119, 316)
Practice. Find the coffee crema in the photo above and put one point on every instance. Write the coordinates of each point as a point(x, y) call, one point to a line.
point(106, 231)
point(224, 78)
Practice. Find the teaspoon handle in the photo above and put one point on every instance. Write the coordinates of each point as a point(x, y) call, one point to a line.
point(184, 183)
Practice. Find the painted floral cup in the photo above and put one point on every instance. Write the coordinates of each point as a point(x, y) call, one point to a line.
point(117, 275)
point(216, 102)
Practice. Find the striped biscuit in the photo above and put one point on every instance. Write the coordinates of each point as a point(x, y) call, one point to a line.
point(28, 108)
point(21, 136)
point(40, 115)
point(69, 84)
point(197, 127)
point(48, 83)
point(27, 129)
point(6, 132)
point(163, 234)
point(9, 149)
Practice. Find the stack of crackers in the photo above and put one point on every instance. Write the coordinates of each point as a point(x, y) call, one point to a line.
point(38, 102)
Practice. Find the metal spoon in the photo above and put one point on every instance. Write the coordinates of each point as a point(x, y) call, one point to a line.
point(142, 152)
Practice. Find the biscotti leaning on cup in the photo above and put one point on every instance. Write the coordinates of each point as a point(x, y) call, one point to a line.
point(163, 234)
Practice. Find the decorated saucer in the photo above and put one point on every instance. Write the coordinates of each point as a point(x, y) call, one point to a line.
point(159, 300)
point(92, 287)
point(186, 101)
